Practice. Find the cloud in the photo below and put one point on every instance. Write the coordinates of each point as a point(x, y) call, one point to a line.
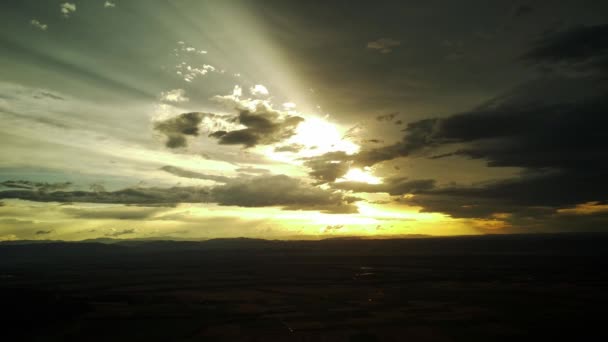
point(117, 233)
point(281, 190)
point(258, 90)
point(257, 191)
point(252, 170)
point(38, 24)
point(552, 128)
point(189, 72)
point(387, 117)
point(384, 45)
point(178, 128)
point(329, 166)
point(538, 132)
point(138, 196)
point(264, 126)
point(393, 186)
point(109, 4)
point(44, 232)
point(333, 229)
point(195, 175)
point(256, 123)
point(293, 148)
point(67, 8)
point(35, 186)
point(175, 95)
point(581, 49)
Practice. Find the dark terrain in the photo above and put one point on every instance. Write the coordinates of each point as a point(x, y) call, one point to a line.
point(490, 288)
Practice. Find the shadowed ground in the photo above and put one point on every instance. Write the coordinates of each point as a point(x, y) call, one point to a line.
point(433, 289)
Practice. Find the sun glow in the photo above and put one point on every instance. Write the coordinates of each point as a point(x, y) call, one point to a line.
point(358, 175)
point(320, 136)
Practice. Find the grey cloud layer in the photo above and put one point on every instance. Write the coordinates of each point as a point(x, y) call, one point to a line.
point(263, 126)
point(258, 191)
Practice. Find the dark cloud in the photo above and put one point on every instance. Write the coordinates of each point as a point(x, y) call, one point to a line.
point(178, 128)
point(387, 117)
point(37, 186)
point(561, 147)
point(44, 232)
point(393, 186)
point(121, 232)
point(552, 128)
point(258, 191)
point(332, 229)
point(294, 148)
point(263, 127)
point(191, 174)
point(284, 191)
point(329, 166)
point(137, 196)
point(46, 94)
point(580, 49)
point(253, 170)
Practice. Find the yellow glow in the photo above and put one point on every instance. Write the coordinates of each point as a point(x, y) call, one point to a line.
point(202, 221)
point(322, 136)
point(358, 175)
point(585, 209)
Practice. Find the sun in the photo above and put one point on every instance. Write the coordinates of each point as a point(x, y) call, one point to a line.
point(321, 136)
point(314, 136)
point(359, 175)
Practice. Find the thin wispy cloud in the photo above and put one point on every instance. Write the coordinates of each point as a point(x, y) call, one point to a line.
point(383, 45)
point(38, 24)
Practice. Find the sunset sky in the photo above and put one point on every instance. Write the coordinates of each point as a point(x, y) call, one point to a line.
point(274, 119)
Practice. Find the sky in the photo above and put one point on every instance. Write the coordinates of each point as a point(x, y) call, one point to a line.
point(183, 119)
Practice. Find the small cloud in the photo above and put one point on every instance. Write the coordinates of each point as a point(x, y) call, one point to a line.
point(258, 89)
point(44, 232)
point(374, 141)
point(250, 169)
point(96, 187)
point(109, 4)
point(38, 24)
point(175, 95)
point(189, 72)
point(293, 148)
point(387, 117)
point(384, 45)
point(67, 9)
point(332, 229)
point(116, 233)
